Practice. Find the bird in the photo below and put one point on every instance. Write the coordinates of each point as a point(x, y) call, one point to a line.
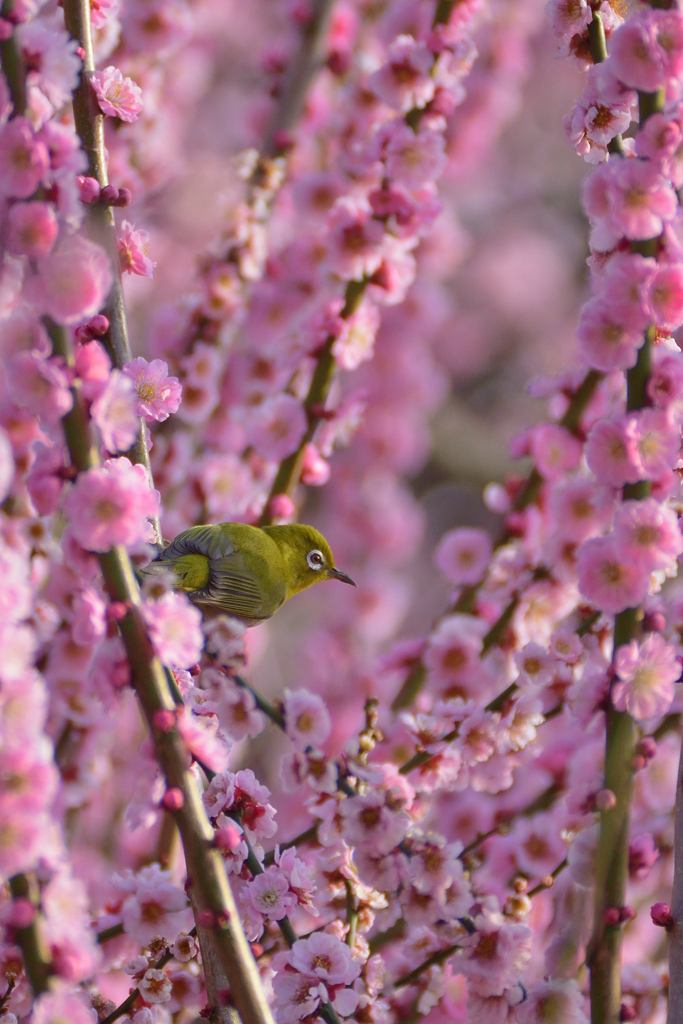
point(245, 571)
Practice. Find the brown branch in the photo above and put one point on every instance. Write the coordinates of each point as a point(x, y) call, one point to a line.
point(36, 957)
point(303, 67)
point(89, 121)
point(205, 867)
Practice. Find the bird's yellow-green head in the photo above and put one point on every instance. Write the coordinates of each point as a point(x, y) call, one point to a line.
point(307, 555)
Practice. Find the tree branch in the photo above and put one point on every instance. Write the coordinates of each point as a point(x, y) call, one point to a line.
point(89, 121)
point(205, 868)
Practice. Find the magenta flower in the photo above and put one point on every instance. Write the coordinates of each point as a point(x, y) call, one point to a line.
point(646, 676)
point(117, 96)
point(114, 411)
point(111, 505)
point(607, 579)
point(133, 245)
point(24, 159)
point(158, 394)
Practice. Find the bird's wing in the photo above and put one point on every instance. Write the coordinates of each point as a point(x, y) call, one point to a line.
point(199, 540)
point(232, 587)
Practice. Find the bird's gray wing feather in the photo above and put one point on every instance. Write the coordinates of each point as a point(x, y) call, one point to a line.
point(199, 540)
point(234, 589)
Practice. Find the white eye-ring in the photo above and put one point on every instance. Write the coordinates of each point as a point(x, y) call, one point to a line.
point(315, 559)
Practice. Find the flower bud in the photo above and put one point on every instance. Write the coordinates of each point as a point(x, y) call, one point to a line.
point(627, 1012)
point(163, 720)
point(227, 839)
point(124, 198)
point(611, 916)
point(98, 325)
point(89, 190)
point(654, 622)
point(605, 800)
point(109, 195)
point(661, 915)
point(280, 506)
point(22, 913)
point(173, 799)
point(627, 914)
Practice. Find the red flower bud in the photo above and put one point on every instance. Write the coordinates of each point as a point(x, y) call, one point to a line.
point(661, 915)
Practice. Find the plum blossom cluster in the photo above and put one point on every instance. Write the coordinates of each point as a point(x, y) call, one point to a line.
point(445, 864)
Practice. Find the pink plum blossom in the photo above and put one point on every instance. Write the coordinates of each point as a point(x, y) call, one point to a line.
point(39, 385)
point(463, 554)
point(114, 411)
point(607, 339)
point(569, 17)
point(560, 1001)
point(307, 720)
point(355, 344)
point(110, 505)
point(32, 229)
point(648, 49)
point(24, 159)
point(411, 159)
point(666, 298)
point(648, 533)
point(269, 894)
point(646, 675)
point(277, 426)
point(117, 95)
point(404, 81)
point(73, 281)
point(324, 957)
point(175, 629)
point(612, 452)
point(555, 450)
point(57, 1007)
point(354, 240)
point(158, 394)
point(133, 245)
point(607, 578)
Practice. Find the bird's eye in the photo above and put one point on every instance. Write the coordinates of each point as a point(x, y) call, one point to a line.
point(315, 559)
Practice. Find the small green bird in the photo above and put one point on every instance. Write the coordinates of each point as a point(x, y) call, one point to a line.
point(247, 571)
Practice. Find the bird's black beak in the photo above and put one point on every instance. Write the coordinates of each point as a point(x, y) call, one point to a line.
point(339, 575)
